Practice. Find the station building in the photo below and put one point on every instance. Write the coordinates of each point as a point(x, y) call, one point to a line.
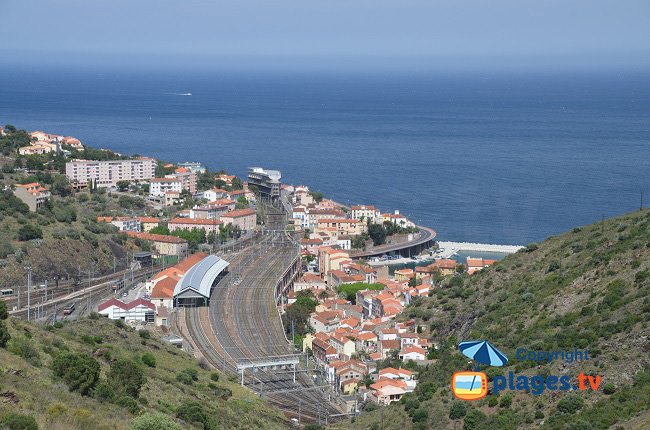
point(195, 286)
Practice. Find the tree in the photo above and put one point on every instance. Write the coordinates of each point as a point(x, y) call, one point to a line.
point(29, 232)
point(127, 377)
point(570, 404)
point(377, 233)
point(194, 413)
point(60, 186)
point(154, 421)
point(474, 420)
point(4, 314)
point(317, 195)
point(80, 372)
point(122, 185)
point(457, 410)
point(237, 184)
point(4, 334)
point(242, 203)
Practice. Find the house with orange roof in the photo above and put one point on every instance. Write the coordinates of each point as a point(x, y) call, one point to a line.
point(387, 346)
point(159, 186)
point(366, 341)
point(331, 259)
point(404, 274)
point(386, 391)
point(126, 223)
point(342, 226)
point(397, 219)
point(343, 345)
point(445, 266)
point(162, 284)
point(245, 219)
point(33, 195)
point(209, 225)
point(475, 264)
point(147, 223)
point(322, 351)
point(326, 321)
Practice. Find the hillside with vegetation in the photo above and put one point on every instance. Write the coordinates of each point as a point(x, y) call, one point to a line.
point(99, 374)
point(588, 289)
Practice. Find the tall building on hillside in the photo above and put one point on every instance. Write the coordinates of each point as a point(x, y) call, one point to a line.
point(107, 173)
point(266, 181)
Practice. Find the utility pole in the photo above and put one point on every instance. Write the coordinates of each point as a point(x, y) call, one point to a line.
point(46, 290)
point(29, 286)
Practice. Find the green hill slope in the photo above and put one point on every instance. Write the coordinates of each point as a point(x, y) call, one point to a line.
point(586, 289)
point(176, 390)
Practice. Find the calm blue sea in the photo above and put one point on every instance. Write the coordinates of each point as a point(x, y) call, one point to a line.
point(484, 158)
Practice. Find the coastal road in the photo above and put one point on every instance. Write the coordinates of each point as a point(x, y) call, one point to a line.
point(424, 239)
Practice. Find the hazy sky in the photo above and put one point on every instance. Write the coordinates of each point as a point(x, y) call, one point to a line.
point(343, 32)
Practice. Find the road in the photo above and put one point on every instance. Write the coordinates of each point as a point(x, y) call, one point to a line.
point(425, 235)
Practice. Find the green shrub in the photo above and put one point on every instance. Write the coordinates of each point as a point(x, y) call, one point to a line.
point(4, 313)
point(14, 421)
point(609, 388)
point(24, 348)
point(144, 334)
point(129, 403)
point(80, 372)
point(149, 359)
point(570, 404)
point(493, 402)
point(506, 401)
point(214, 376)
point(184, 378)
point(194, 413)
point(104, 392)
point(154, 421)
point(127, 378)
point(4, 334)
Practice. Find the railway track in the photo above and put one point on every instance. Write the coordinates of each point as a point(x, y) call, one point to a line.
point(242, 324)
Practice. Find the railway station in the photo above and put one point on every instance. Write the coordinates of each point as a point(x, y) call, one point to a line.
point(195, 287)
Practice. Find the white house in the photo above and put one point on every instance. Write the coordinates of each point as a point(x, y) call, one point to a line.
point(137, 310)
point(412, 352)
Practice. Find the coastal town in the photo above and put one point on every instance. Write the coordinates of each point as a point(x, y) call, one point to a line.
point(343, 305)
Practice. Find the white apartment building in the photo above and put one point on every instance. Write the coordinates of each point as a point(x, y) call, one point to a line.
point(367, 212)
point(107, 173)
point(160, 186)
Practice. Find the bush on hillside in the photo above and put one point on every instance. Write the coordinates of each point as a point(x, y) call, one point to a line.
point(149, 359)
point(154, 421)
point(127, 377)
point(80, 372)
point(14, 421)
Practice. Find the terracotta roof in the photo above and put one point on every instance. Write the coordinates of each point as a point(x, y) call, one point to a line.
point(126, 306)
point(148, 219)
point(239, 213)
point(413, 348)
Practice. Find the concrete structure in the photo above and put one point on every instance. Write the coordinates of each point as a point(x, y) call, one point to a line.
point(159, 186)
point(266, 181)
point(33, 195)
point(195, 286)
point(108, 172)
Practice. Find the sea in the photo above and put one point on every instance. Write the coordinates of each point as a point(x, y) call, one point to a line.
point(506, 158)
